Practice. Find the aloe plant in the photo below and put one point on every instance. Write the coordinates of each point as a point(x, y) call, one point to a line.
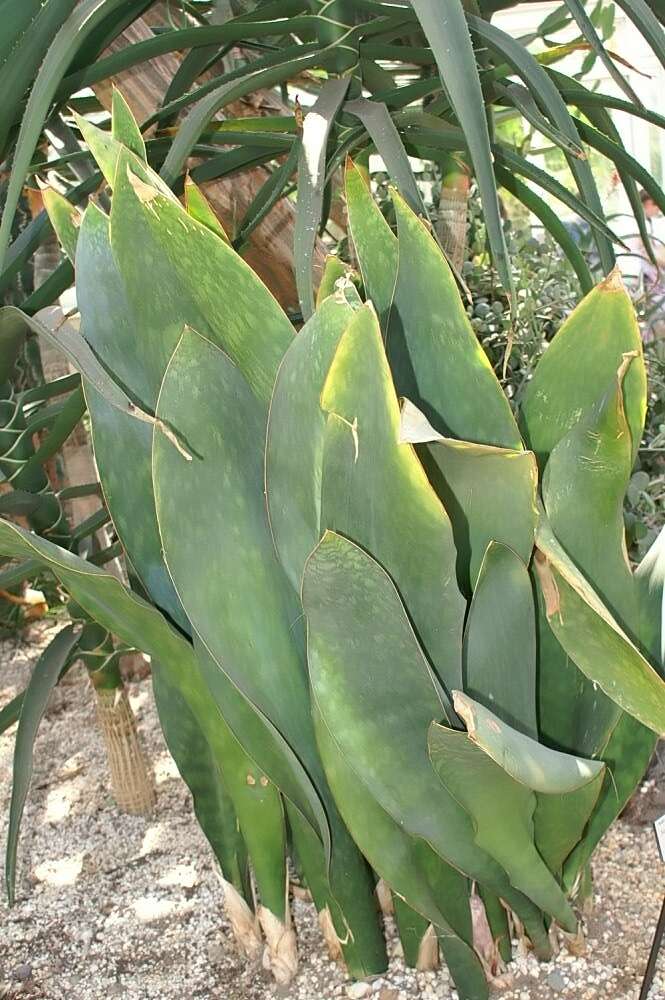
point(393, 627)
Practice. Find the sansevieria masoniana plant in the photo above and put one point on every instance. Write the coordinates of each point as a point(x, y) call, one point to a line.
point(393, 629)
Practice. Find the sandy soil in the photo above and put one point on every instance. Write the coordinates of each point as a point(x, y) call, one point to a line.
point(118, 906)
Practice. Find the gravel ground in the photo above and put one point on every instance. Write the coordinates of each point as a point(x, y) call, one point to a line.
point(118, 906)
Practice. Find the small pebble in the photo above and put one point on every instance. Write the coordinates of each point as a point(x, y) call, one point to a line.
point(356, 991)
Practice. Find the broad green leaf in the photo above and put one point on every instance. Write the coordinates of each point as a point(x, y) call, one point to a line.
point(584, 485)
point(199, 208)
point(526, 761)
point(334, 269)
point(233, 798)
point(140, 625)
point(500, 640)
point(402, 862)
point(294, 444)
point(250, 597)
point(374, 491)
point(436, 359)
point(374, 243)
point(578, 366)
point(355, 920)
point(367, 681)
point(107, 149)
point(627, 754)
point(249, 622)
point(119, 440)
point(489, 493)
point(226, 301)
point(502, 810)
point(593, 639)
point(195, 759)
point(567, 787)
point(43, 679)
point(311, 181)
point(65, 219)
point(412, 927)
point(123, 126)
point(650, 585)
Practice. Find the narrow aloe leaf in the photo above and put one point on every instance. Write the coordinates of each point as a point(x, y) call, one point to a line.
point(11, 711)
point(447, 32)
point(65, 219)
point(399, 859)
point(578, 366)
point(500, 640)
point(73, 33)
point(124, 128)
point(374, 243)
point(28, 44)
point(513, 161)
point(550, 221)
point(541, 86)
point(383, 133)
point(586, 26)
point(521, 98)
point(265, 200)
point(195, 759)
point(436, 359)
point(460, 472)
point(365, 683)
point(648, 23)
point(409, 532)
point(199, 208)
point(296, 427)
point(222, 94)
point(44, 677)
point(592, 637)
point(599, 116)
point(311, 181)
point(502, 810)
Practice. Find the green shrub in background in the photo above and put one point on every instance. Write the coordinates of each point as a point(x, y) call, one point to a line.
point(399, 640)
